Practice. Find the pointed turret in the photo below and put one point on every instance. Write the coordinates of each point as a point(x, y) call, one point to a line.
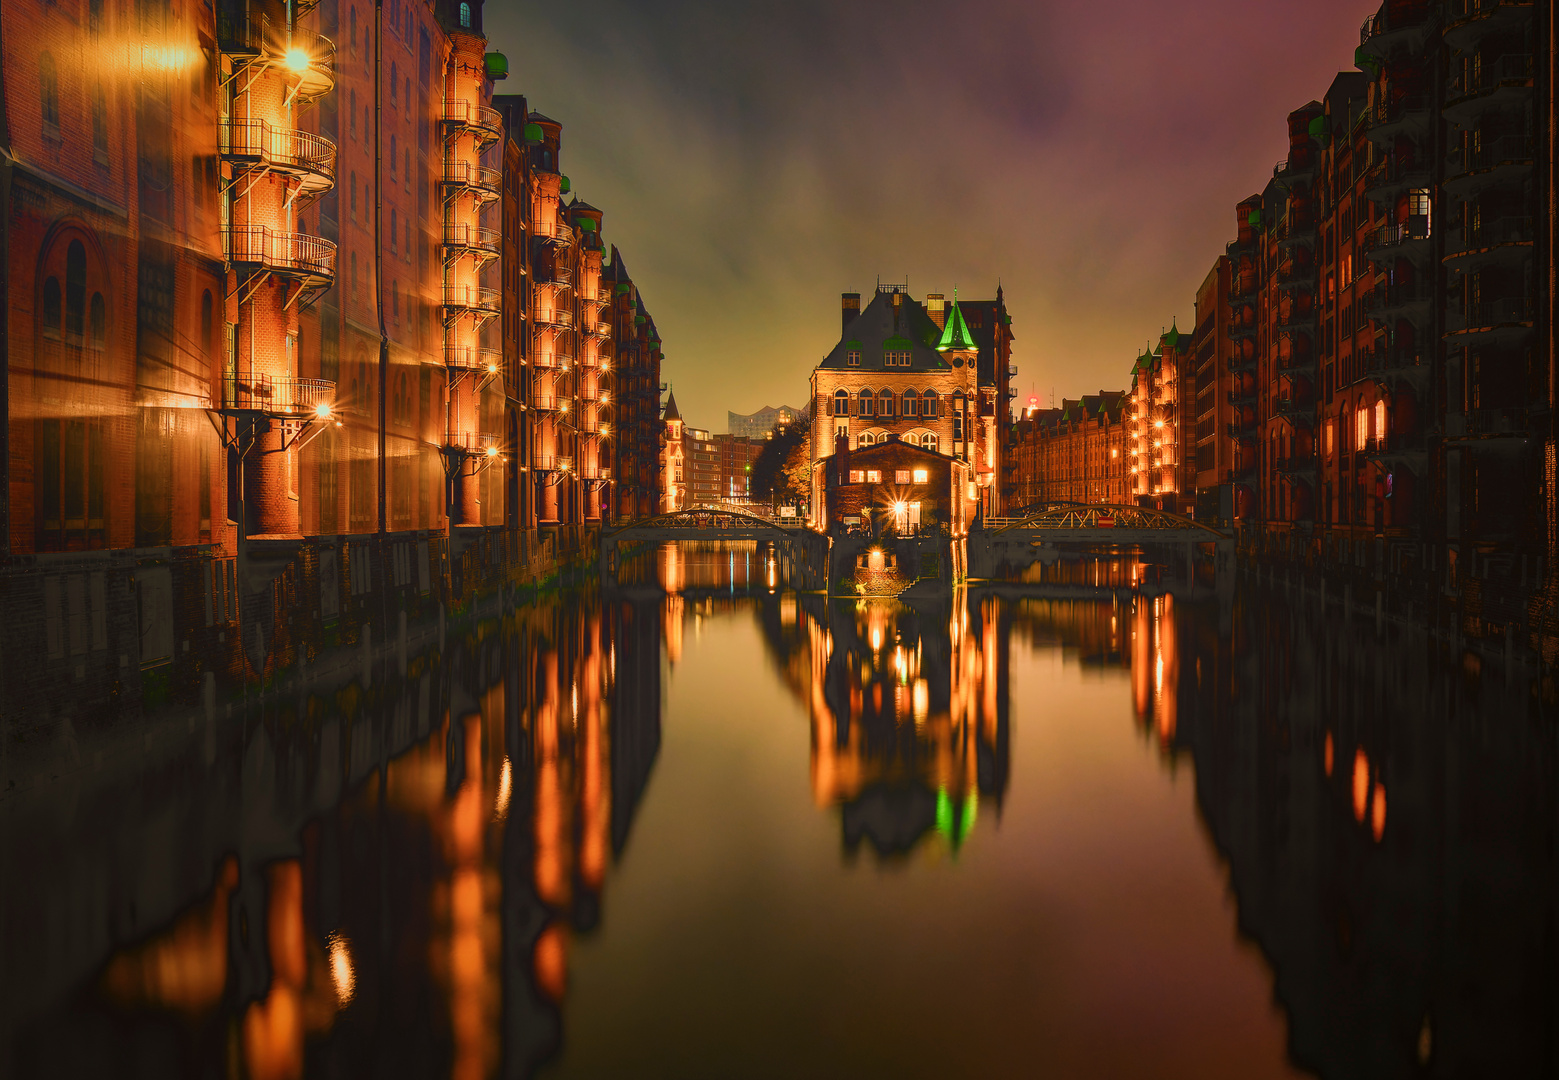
point(671, 407)
point(955, 334)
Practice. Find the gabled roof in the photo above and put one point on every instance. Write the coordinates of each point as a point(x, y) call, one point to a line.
point(876, 330)
point(672, 412)
point(955, 334)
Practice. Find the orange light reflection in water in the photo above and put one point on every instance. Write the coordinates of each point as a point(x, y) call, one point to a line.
point(1361, 783)
point(184, 969)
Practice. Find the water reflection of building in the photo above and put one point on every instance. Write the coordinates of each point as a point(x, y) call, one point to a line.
point(419, 926)
point(1387, 814)
point(908, 712)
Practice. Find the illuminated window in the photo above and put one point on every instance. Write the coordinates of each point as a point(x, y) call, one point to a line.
point(1361, 428)
point(873, 476)
point(856, 476)
point(922, 476)
point(465, 16)
point(901, 476)
point(1380, 419)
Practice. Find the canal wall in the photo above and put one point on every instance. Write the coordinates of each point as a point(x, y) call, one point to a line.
point(94, 639)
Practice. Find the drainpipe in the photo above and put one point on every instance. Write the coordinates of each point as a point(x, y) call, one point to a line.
point(384, 340)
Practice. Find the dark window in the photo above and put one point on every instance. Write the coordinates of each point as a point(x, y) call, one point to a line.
point(51, 308)
point(841, 403)
point(395, 85)
point(207, 317)
point(75, 289)
point(928, 405)
point(99, 125)
point(351, 120)
point(352, 21)
point(99, 321)
point(424, 56)
point(49, 95)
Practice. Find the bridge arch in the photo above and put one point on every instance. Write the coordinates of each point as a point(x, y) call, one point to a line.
point(1072, 515)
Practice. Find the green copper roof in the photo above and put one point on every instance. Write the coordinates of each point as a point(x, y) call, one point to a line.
point(852, 344)
point(955, 334)
point(1172, 339)
point(897, 342)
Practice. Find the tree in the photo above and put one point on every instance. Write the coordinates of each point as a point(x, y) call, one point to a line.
point(783, 468)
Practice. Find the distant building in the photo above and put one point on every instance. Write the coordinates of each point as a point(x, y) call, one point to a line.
point(1077, 453)
point(761, 424)
point(737, 456)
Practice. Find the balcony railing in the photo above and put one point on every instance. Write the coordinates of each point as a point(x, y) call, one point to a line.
point(1392, 235)
point(1501, 421)
point(486, 123)
point(557, 318)
point(1502, 312)
point(551, 463)
point(273, 45)
point(480, 177)
point(558, 276)
point(310, 157)
point(1475, 80)
point(473, 442)
point(473, 298)
point(1478, 236)
point(279, 396)
point(1517, 150)
point(1396, 297)
point(548, 403)
point(469, 358)
point(295, 254)
point(472, 237)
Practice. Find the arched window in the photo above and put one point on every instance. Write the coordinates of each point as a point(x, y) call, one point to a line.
point(885, 403)
point(867, 399)
point(465, 15)
point(395, 86)
point(49, 94)
point(99, 321)
point(911, 402)
point(352, 20)
point(75, 289)
point(841, 403)
point(864, 439)
point(928, 406)
point(51, 308)
point(929, 441)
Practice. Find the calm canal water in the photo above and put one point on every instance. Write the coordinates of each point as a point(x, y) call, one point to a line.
point(733, 831)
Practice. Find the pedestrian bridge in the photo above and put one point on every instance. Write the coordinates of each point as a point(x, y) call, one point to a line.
point(1103, 523)
point(1012, 543)
point(802, 554)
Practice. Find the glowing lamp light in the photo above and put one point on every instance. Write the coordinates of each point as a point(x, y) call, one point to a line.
point(296, 60)
point(563, 407)
point(1158, 423)
point(322, 411)
point(492, 369)
point(492, 451)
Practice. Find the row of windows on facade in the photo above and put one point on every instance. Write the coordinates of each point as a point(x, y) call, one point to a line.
point(882, 403)
point(900, 476)
point(890, 358)
point(927, 441)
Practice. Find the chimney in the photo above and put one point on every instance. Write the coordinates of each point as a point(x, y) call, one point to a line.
point(849, 308)
point(936, 307)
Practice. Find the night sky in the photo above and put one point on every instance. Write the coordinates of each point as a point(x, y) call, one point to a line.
point(754, 160)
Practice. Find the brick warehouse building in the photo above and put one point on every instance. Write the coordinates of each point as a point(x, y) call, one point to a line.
point(1383, 412)
point(923, 373)
point(1076, 453)
point(297, 314)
